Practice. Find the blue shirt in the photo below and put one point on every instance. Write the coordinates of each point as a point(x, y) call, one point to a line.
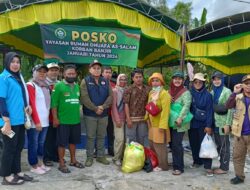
point(11, 90)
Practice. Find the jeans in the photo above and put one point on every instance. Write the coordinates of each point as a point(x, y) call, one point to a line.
point(177, 150)
point(36, 141)
point(138, 133)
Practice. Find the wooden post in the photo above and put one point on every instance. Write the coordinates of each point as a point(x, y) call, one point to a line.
point(183, 48)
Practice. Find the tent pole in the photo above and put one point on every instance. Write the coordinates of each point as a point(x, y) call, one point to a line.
point(183, 46)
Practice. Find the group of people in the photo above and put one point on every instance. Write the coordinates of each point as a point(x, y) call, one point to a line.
point(147, 114)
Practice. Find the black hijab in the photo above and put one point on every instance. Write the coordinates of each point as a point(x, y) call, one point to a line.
point(7, 61)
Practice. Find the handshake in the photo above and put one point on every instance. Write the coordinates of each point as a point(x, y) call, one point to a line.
point(99, 110)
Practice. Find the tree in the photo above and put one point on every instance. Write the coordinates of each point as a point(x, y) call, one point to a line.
point(182, 13)
point(203, 20)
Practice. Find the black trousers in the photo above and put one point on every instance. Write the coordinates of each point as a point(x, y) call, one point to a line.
point(110, 135)
point(12, 148)
point(223, 148)
point(50, 145)
point(196, 136)
point(177, 150)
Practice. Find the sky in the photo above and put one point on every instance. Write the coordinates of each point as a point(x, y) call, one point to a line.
point(216, 8)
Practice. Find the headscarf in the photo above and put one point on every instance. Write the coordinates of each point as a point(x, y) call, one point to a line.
point(155, 92)
point(44, 86)
point(199, 97)
point(176, 92)
point(217, 89)
point(17, 75)
point(120, 91)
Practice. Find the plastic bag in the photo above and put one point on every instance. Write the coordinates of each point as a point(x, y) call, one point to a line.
point(175, 111)
point(208, 148)
point(152, 156)
point(134, 158)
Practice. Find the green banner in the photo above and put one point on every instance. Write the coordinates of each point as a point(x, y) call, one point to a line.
point(83, 44)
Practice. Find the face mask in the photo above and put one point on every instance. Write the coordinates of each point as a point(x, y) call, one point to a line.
point(158, 88)
point(70, 79)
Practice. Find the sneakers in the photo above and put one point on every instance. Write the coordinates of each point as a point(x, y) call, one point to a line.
point(89, 162)
point(236, 180)
point(45, 168)
point(102, 160)
point(209, 173)
point(38, 171)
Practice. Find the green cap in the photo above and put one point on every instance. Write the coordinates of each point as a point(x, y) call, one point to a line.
point(178, 74)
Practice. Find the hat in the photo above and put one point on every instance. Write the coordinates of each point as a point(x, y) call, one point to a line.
point(246, 77)
point(217, 74)
point(95, 62)
point(39, 66)
point(53, 65)
point(178, 74)
point(199, 76)
point(158, 76)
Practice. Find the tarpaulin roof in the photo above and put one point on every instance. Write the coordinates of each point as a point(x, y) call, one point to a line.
point(20, 21)
point(223, 44)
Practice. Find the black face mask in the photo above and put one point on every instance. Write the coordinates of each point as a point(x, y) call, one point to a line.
point(70, 79)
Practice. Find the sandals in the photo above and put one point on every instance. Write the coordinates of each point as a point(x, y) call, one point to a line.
point(25, 177)
point(14, 181)
point(48, 163)
point(177, 172)
point(219, 171)
point(157, 169)
point(77, 165)
point(64, 169)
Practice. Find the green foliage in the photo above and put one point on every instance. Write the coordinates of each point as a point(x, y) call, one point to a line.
point(197, 23)
point(182, 13)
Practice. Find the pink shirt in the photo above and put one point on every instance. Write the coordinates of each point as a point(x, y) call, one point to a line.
point(117, 116)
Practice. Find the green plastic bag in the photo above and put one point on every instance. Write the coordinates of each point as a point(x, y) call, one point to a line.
point(134, 158)
point(175, 111)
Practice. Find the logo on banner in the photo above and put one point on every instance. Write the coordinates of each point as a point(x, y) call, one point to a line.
point(60, 33)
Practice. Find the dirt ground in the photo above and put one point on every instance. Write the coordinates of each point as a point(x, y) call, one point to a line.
point(100, 177)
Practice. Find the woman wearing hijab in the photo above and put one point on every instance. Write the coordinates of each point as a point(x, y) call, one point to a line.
point(158, 134)
point(181, 101)
point(223, 121)
point(118, 116)
point(40, 103)
point(14, 102)
point(202, 110)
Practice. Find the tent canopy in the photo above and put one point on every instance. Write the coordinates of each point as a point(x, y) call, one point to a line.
point(20, 20)
point(223, 44)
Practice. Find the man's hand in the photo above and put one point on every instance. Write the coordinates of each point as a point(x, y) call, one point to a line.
point(237, 88)
point(56, 122)
point(129, 123)
point(99, 110)
point(208, 130)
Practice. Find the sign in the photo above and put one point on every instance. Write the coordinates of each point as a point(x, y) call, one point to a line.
point(83, 44)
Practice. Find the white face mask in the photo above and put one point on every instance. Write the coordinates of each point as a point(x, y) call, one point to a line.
point(158, 88)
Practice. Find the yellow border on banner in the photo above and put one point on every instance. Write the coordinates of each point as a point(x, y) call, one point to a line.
point(220, 67)
point(54, 12)
point(206, 49)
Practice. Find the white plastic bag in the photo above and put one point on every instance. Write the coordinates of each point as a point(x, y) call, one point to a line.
point(208, 148)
